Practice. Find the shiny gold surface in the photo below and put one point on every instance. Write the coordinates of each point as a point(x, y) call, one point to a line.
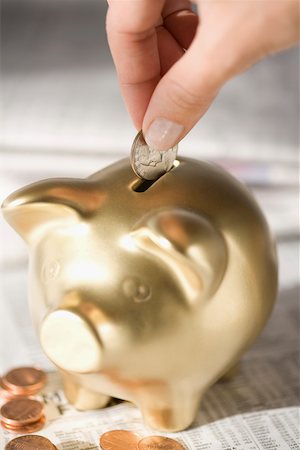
point(148, 292)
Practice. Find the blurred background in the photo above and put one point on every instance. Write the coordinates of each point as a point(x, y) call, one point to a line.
point(62, 115)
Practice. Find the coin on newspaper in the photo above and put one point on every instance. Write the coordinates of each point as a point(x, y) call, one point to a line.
point(159, 443)
point(119, 440)
point(150, 163)
point(20, 412)
point(5, 393)
point(24, 380)
point(25, 429)
point(34, 442)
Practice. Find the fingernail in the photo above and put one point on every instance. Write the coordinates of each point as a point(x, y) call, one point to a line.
point(163, 133)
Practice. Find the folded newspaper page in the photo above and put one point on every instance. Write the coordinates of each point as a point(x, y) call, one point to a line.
point(257, 409)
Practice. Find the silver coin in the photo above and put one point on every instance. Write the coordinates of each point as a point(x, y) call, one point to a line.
point(150, 163)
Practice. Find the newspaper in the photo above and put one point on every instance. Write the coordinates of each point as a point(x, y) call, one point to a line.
point(257, 409)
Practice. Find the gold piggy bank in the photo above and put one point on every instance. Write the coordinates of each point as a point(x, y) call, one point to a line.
point(146, 291)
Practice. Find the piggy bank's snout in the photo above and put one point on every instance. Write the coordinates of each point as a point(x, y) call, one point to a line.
point(70, 342)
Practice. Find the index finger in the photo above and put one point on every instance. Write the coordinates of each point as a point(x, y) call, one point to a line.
point(132, 40)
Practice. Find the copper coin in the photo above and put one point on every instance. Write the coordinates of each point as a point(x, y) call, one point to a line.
point(24, 380)
point(30, 428)
point(35, 442)
point(5, 393)
point(159, 443)
point(119, 440)
point(21, 411)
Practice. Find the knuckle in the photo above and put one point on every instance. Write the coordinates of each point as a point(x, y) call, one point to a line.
point(129, 21)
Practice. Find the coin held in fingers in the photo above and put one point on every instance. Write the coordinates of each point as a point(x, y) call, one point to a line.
point(149, 163)
point(119, 440)
point(159, 443)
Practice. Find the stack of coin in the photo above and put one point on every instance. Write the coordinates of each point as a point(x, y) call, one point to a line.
point(34, 442)
point(122, 439)
point(22, 415)
point(5, 394)
point(22, 382)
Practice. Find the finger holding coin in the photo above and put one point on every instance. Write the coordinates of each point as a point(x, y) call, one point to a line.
point(150, 163)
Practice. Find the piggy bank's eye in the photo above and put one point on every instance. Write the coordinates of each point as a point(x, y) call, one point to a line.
point(136, 289)
point(50, 270)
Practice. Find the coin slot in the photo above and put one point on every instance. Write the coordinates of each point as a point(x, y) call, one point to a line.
point(144, 185)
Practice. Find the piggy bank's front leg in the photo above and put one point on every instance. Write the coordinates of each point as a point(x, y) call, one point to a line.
point(169, 410)
point(80, 396)
point(231, 373)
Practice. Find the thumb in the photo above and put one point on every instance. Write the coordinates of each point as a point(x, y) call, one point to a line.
point(181, 97)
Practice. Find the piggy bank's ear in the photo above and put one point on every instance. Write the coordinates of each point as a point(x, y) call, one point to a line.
point(190, 245)
point(46, 203)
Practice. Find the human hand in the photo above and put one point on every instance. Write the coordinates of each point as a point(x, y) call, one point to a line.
point(171, 65)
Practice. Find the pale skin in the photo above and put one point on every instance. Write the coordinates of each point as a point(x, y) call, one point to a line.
point(171, 63)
